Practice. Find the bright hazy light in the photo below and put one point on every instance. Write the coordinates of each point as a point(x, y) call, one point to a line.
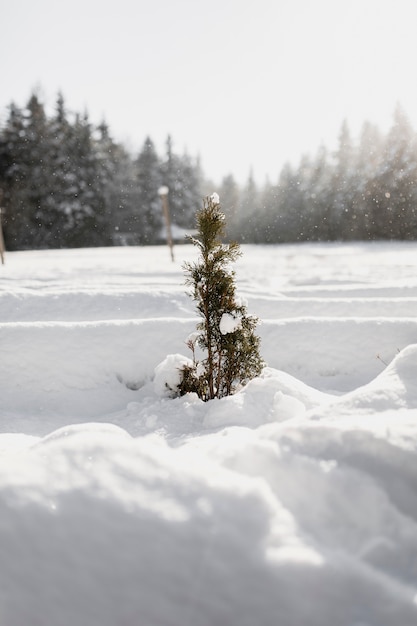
point(243, 84)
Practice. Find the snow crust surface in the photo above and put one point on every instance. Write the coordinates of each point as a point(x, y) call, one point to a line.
point(293, 502)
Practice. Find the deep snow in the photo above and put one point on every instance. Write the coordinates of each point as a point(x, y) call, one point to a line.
point(293, 502)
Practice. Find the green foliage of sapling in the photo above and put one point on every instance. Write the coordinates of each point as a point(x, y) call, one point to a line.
point(226, 333)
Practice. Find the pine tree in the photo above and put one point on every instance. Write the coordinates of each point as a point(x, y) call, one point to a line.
point(342, 186)
point(226, 333)
point(13, 175)
point(149, 217)
point(290, 204)
point(248, 211)
point(268, 206)
point(84, 221)
point(395, 186)
point(319, 197)
point(26, 158)
point(121, 194)
point(229, 192)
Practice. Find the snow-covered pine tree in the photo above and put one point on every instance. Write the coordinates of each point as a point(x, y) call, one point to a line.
point(225, 334)
point(148, 180)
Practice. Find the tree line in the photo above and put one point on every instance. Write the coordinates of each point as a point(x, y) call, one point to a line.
point(363, 190)
point(67, 183)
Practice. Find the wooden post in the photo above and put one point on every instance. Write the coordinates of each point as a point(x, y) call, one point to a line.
point(2, 248)
point(163, 194)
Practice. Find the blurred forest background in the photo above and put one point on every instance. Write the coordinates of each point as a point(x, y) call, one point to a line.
point(67, 183)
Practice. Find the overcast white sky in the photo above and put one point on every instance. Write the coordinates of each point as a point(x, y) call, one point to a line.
point(242, 83)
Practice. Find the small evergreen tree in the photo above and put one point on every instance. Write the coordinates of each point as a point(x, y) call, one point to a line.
point(226, 333)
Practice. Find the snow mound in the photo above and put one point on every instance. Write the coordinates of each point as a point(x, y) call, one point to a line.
point(93, 517)
point(275, 396)
point(260, 401)
point(221, 530)
point(167, 376)
point(394, 388)
point(334, 354)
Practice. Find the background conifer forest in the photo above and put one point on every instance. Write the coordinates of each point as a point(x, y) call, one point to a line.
point(66, 183)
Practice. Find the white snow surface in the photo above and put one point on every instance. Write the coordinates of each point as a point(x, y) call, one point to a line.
point(291, 503)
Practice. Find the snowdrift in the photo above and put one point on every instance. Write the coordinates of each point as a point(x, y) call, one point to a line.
point(292, 502)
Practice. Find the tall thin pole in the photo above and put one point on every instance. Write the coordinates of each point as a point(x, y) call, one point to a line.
point(2, 247)
point(163, 194)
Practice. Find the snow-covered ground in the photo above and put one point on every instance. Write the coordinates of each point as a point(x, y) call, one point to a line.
point(292, 503)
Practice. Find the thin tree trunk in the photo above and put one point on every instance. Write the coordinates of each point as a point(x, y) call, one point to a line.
point(210, 368)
